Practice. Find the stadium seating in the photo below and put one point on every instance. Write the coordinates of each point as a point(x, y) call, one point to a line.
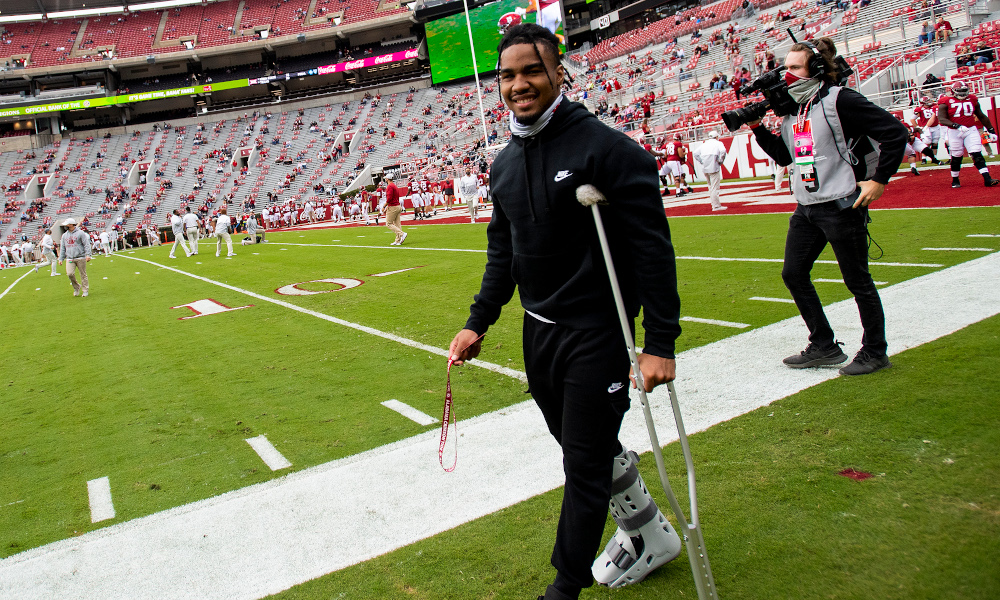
point(55, 42)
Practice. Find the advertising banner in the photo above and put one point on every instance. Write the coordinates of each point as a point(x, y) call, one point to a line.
point(122, 99)
point(371, 61)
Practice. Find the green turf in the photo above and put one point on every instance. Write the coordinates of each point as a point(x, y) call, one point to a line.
point(779, 521)
point(117, 385)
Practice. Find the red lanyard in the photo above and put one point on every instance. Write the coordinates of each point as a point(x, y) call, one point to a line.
point(446, 418)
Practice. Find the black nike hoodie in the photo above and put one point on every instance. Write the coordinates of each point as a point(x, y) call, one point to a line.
point(544, 242)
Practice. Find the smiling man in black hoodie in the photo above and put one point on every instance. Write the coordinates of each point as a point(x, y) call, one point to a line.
point(544, 243)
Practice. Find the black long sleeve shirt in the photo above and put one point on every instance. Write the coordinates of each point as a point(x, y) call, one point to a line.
point(544, 242)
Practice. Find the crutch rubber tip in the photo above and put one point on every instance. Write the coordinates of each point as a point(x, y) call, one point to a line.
point(589, 195)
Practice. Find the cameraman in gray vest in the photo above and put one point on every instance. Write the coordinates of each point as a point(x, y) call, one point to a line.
point(827, 143)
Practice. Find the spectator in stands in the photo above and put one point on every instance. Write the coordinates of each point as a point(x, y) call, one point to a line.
point(984, 55)
point(943, 30)
point(931, 84)
point(926, 34)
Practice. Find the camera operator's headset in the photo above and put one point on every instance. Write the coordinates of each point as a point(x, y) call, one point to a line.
point(817, 64)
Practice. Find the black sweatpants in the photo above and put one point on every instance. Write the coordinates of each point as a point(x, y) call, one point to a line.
point(579, 379)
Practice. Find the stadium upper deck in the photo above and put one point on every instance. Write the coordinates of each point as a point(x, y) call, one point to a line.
point(52, 43)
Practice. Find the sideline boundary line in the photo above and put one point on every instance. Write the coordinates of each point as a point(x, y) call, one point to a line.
point(271, 536)
point(11, 286)
point(363, 328)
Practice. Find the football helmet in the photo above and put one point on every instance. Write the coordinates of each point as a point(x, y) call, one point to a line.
point(960, 90)
point(510, 19)
point(926, 101)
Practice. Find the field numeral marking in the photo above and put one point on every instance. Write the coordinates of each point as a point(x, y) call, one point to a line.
point(206, 307)
point(343, 283)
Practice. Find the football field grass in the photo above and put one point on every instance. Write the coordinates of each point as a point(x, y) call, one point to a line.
point(118, 385)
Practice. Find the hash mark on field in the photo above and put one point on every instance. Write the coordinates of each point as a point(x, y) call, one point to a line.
point(985, 235)
point(959, 249)
point(409, 412)
point(268, 453)
point(766, 299)
point(393, 272)
point(13, 503)
point(715, 322)
point(101, 507)
point(842, 281)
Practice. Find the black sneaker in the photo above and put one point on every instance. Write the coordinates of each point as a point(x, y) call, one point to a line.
point(991, 182)
point(814, 357)
point(914, 171)
point(551, 593)
point(865, 362)
point(955, 183)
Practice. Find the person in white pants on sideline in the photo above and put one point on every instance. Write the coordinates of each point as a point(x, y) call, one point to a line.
point(222, 223)
point(191, 226)
point(711, 155)
point(48, 251)
point(105, 243)
point(177, 226)
point(468, 187)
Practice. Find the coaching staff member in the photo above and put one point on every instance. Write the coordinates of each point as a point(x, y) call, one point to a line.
point(833, 197)
point(542, 241)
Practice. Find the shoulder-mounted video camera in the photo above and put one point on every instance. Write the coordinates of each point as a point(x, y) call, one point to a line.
point(772, 86)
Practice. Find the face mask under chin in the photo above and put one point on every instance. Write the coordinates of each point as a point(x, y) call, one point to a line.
point(803, 89)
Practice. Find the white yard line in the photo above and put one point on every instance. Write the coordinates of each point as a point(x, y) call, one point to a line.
point(715, 322)
point(260, 540)
point(959, 249)
point(11, 286)
point(983, 235)
point(409, 412)
point(268, 453)
point(364, 328)
point(819, 262)
point(385, 247)
point(705, 258)
point(821, 280)
point(766, 299)
point(99, 494)
point(397, 271)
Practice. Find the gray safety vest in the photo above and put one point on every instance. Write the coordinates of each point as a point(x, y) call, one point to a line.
point(835, 177)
